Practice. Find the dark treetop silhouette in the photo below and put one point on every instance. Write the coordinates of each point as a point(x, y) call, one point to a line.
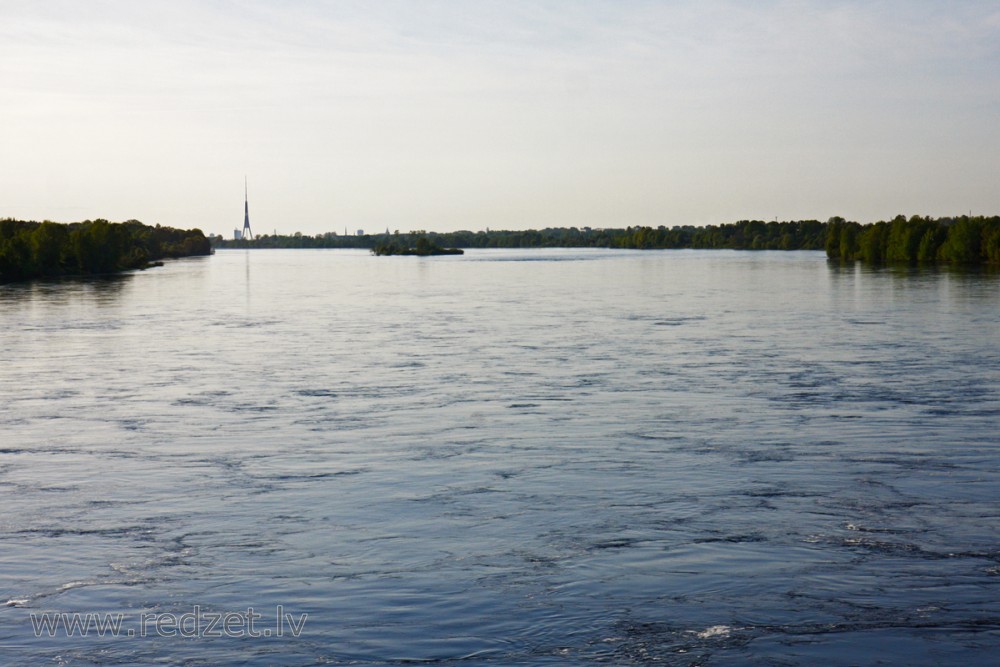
point(35, 250)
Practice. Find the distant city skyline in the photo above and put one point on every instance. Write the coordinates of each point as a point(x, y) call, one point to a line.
point(503, 115)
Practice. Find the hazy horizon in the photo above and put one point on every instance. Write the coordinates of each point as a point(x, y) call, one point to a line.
point(507, 115)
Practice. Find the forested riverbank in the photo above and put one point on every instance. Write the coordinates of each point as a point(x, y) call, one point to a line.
point(48, 249)
point(962, 240)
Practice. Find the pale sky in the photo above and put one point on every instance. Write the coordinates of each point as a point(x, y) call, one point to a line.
point(446, 115)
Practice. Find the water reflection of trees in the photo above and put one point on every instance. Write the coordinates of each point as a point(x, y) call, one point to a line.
point(95, 289)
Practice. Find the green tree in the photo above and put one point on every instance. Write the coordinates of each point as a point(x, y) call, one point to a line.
point(48, 247)
point(930, 243)
point(963, 243)
point(991, 241)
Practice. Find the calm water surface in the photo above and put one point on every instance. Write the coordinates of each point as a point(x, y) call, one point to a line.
point(511, 457)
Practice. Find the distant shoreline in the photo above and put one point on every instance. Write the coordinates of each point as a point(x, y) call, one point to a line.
point(960, 240)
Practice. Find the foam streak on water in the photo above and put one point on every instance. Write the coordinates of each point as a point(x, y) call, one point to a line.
point(509, 457)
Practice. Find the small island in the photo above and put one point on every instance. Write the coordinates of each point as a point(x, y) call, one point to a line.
point(423, 248)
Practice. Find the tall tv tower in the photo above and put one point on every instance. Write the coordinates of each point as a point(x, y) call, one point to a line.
point(247, 234)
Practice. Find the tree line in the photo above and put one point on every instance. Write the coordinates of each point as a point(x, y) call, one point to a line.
point(744, 235)
point(31, 249)
point(958, 240)
point(961, 240)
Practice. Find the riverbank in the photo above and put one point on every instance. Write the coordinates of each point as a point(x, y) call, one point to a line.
point(31, 249)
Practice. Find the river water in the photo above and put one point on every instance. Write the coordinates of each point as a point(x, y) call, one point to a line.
point(537, 457)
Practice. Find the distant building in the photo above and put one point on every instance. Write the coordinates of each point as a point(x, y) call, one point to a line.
point(246, 233)
point(237, 235)
point(361, 232)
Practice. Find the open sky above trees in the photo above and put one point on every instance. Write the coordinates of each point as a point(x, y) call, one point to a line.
point(508, 114)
